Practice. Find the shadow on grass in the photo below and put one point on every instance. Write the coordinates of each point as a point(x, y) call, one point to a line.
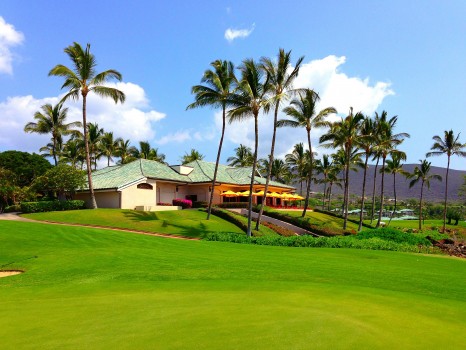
point(142, 215)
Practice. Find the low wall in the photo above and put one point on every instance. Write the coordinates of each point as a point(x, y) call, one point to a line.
point(156, 207)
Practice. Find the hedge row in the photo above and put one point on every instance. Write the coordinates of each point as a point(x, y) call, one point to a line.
point(43, 206)
point(233, 205)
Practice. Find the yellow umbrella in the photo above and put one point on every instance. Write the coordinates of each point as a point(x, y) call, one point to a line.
point(229, 194)
point(297, 197)
point(243, 194)
point(274, 195)
point(260, 193)
point(286, 196)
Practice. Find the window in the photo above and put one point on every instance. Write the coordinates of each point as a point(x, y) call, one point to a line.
point(145, 186)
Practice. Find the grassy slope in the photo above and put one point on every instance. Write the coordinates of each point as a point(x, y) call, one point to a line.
point(324, 220)
point(190, 223)
point(91, 288)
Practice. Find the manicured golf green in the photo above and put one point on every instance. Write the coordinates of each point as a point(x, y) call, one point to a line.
point(101, 289)
point(191, 223)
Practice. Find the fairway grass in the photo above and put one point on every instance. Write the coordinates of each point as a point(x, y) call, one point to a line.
point(101, 289)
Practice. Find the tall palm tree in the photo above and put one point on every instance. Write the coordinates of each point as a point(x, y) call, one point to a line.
point(248, 101)
point(421, 173)
point(450, 146)
point(280, 77)
point(53, 121)
point(304, 114)
point(333, 179)
point(345, 134)
point(387, 142)
point(366, 143)
point(124, 151)
point(394, 166)
point(73, 152)
point(53, 149)
point(324, 166)
point(215, 93)
point(243, 157)
point(192, 156)
point(82, 79)
point(109, 146)
point(297, 161)
point(145, 151)
point(94, 134)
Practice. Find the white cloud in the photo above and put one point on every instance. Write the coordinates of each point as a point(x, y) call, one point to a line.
point(132, 120)
point(178, 137)
point(232, 34)
point(9, 37)
point(335, 88)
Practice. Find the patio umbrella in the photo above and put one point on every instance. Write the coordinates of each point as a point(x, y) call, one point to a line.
point(274, 195)
point(229, 193)
point(297, 197)
point(260, 193)
point(243, 194)
point(287, 196)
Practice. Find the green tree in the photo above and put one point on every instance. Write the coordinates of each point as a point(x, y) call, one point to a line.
point(243, 157)
point(248, 101)
point(280, 77)
point(52, 120)
point(82, 79)
point(63, 179)
point(94, 134)
point(296, 160)
point(215, 93)
point(421, 173)
point(109, 146)
point(24, 165)
point(394, 166)
point(124, 151)
point(345, 134)
point(191, 156)
point(145, 151)
point(73, 153)
point(450, 146)
point(304, 114)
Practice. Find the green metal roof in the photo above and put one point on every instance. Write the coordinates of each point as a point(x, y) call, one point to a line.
point(118, 176)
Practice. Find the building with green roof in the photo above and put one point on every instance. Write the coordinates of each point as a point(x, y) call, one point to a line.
point(147, 184)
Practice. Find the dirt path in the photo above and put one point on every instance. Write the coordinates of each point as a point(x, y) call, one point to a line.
point(16, 217)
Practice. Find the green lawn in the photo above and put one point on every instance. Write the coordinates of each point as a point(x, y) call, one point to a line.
point(92, 288)
point(191, 223)
point(323, 220)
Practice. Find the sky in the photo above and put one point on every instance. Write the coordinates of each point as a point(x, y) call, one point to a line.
point(405, 57)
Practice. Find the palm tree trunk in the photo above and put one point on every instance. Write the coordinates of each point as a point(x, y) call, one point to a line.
point(420, 206)
point(269, 171)
point(346, 194)
point(329, 196)
point(446, 196)
point(373, 190)
point(88, 158)
point(394, 194)
point(308, 187)
point(363, 193)
point(214, 180)
point(254, 164)
point(325, 192)
point(381, 193)
point(54, 150)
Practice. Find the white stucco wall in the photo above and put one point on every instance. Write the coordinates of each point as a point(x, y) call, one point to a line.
point(103, 199)
point(133, 196)
point(166, 192)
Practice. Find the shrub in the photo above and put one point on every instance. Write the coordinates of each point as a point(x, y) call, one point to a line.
point(183, 203)
point(12, 208)
point(200, 204)
point(389, 234)
point(37, 207)
point(233, 205)
point(282, 231)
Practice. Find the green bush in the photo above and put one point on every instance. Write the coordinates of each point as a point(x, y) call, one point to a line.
point(390, 234)
point(12, 208)
point(200, 204)
point(43, 206)
point(233, 205)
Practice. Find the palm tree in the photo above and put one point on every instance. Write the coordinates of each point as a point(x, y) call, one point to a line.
point(324, 167)
point(297, 161)
point(366, 144)
point(333, 179)
point(248, 101)
point(73, 152)
point(422, 174)
point(394, 166)
point(303, 112)
point(215, 93)
point(243, 157)
point(82, 79)
point(345, 134)
point(109, 146)
point(145, 151)
point(94, 134)
point(450, 146)
point(123, 151)
point(53, 149)
point(387, 142)
point(52, 121)
point(280, 76)
point(192, 156)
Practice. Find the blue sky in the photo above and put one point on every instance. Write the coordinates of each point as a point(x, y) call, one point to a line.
point(406, 57)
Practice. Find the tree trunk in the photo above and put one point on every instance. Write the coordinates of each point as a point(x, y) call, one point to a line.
point(214, 180)
point(325, 192)
point(330, 196)
point(269, 171)
point(381, 193)
point(420, 206)
point(346, 192)
point(254, 164)
point(54, 150)
point(394, 194)
point(308, 185)
point(88, 159)
point(446, 195)
point(363, 193)
point(373, 190)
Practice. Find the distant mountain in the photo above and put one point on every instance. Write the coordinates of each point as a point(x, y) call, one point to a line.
point(436, 193)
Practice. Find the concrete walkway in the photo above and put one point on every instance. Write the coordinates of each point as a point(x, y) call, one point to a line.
point(297, 230)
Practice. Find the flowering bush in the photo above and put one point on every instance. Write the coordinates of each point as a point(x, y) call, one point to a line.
point(183, 203)
point(164, 204)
